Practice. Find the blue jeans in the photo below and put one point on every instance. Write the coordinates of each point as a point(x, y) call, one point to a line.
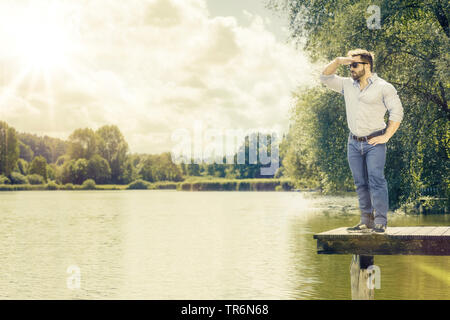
point(367, 162)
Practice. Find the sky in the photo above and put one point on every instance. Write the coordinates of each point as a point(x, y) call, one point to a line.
point(151, 67)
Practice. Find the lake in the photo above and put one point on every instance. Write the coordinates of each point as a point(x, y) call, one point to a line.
point(165, 244)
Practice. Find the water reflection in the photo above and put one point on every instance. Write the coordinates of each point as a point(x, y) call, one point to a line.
point(193, 245)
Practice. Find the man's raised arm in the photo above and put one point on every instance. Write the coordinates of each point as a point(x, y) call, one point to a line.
point(333, 65)
point(330, 79)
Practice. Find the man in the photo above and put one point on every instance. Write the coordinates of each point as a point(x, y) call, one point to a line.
point(367, 97)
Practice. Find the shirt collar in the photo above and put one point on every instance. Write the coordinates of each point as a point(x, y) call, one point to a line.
point(370, 80)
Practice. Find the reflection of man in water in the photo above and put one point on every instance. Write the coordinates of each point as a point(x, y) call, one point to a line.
point(367, 97)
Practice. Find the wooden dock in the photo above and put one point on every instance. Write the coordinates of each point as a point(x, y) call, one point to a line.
point(395, 241)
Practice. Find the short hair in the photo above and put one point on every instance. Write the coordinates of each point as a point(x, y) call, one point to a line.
point(365, 55)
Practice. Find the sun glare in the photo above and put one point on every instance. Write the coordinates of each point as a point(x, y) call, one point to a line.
point(41, 39)
point(41, 45)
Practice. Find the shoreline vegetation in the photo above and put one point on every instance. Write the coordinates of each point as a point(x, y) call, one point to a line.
point(100, 160)
point(190, 184)
point(425, 205)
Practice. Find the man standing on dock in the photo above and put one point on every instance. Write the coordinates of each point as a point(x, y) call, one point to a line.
point(367, 97)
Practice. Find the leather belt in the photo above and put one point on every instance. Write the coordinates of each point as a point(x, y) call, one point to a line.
point(366, 138)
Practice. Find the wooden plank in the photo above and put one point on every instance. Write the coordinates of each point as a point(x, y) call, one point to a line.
point(406, 231)
point(422, 230)
point(427, 230)
point(438, 231)
point(394, 230)
point(334, 231)
point(396, 240)
point(338, 231)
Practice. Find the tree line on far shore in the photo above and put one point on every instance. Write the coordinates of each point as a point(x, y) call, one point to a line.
point(103, 156)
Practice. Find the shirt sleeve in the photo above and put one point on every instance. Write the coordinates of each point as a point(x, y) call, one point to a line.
point(334, 82)
point(392, 102)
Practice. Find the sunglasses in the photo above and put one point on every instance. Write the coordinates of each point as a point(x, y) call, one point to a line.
point(355, 64)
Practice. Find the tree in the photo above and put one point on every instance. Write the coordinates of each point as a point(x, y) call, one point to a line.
point(165, 169)
point(129, 173)
point(41, 146)
point(25, 152)
point(67, 172)
point(62, 159)
point(52, 171)
point(22, 166)
point(193, 169)
point(80, 171)
point(146, 169)
point(411, 52)
point(98, 169)
point(113, 147)
point(39, 166)
point(82, 144)
point(9, 148)
point(74, 171)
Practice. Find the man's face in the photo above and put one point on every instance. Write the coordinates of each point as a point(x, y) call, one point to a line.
point(360, 70)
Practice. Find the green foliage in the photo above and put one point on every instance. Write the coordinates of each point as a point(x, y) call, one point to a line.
point(88, 184)
point(4, 180)
point(17, 187)
point(51, 185)
point(411, 52)
point(80, 171)
point(184, 186)
point(129, 173)
point(52, 171)
point(318, 141)
point(113, 147)
point(67, 172)
point(39, 166)
point(35, 179)
point(236, 185)
point(22, 166)
point(17, 178)
point(102, 156)
point(49, 148)
point(98, 169)
point(9, 148)
point(82, 144)
point(243, 186)
point(139, 184)
point(25, 152)
point(193, 169)
point(74, 171)
point(62, 159)
point(159, 168)
point(246, 163)
point(69, 186)
point(165, 185)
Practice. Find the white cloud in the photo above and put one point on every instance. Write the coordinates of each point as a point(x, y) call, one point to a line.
point(151, 67)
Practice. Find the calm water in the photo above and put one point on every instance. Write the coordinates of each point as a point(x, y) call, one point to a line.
point(193, 245)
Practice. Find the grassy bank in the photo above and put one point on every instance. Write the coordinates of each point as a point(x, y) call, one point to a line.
point(190, 184)
point(236, 185)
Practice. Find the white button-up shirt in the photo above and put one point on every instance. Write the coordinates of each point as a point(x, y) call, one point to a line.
point(366, 109)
